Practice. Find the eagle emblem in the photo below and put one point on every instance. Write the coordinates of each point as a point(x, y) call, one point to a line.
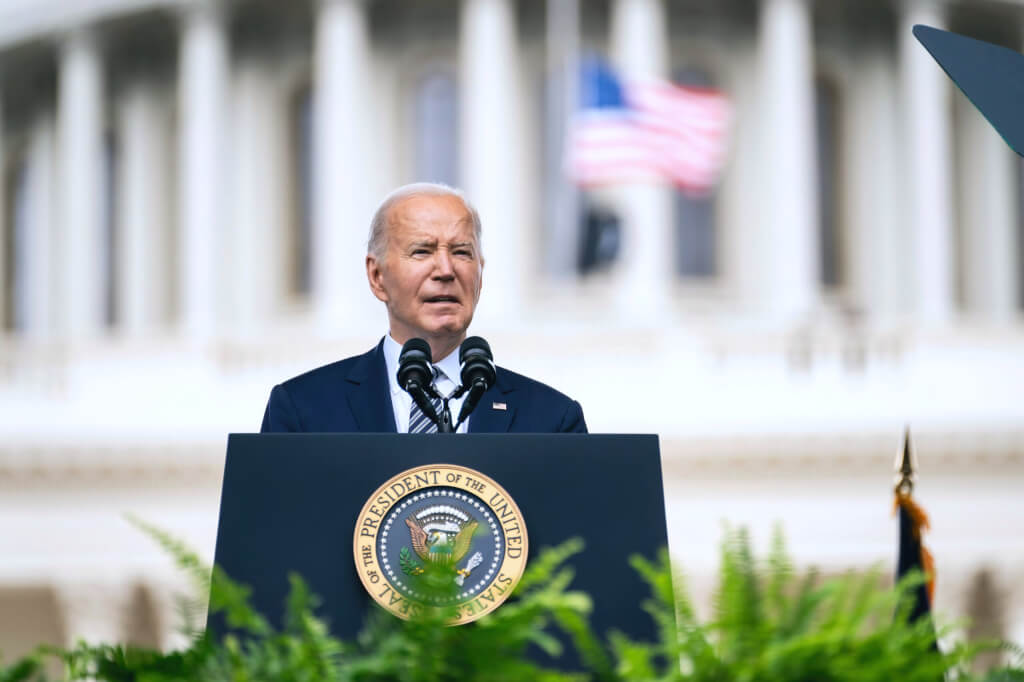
point(427, 540)
point(441, 536)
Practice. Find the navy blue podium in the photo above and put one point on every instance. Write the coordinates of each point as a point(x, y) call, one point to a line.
point(290, 503)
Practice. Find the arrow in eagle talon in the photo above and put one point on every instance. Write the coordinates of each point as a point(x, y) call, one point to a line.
point(473, 562)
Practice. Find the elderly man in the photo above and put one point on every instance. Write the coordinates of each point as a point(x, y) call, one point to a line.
point(424, 263)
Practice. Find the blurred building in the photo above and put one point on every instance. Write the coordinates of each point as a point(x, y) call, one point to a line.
point(187, 190)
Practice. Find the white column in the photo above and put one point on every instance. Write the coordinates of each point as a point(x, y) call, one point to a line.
point(987, 178)
point(35, 286)
point(926, 133)
point(203, 84)
point(343, 199)
point(82, 186)
point(143, 209)
point(258, 254)
point(787, 237)
point(644, 274)
point(875, 270)
point(491, 166)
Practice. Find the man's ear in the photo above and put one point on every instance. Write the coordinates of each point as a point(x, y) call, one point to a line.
point(375, 276)
point(480, 279)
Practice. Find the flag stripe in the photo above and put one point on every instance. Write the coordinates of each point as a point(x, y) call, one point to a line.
point(648, 130)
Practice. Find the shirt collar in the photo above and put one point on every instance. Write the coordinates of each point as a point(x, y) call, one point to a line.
point(391, 352)
point(449, 365)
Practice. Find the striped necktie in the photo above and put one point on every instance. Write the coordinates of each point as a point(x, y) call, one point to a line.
point(418, 421)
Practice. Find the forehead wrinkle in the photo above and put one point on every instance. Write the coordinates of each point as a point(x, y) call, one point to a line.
point(428, 241)
point(406, 225)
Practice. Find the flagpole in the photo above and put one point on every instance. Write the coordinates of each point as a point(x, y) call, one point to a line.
point(905, 467)
point(912, 553)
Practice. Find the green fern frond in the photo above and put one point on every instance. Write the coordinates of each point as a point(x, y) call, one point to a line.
point(26, 669)
point(186, 559)
point(540, 568)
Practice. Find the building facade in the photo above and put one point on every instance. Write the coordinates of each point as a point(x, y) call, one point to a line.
point(187, 192)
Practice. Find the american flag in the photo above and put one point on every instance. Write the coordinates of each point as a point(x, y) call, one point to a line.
point(636, 130)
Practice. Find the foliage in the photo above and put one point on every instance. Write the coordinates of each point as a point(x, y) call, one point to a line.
point(769, 624)
point(772, 624)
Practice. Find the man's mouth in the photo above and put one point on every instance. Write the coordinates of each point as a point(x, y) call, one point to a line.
point(442, 299)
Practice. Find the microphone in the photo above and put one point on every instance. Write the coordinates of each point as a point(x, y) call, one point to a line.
point(415, 375)
point(477, 374)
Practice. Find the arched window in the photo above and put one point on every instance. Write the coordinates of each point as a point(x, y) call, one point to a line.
point(436, 125)
point(16, 208)
point(108, 229)
point(300, 268)
point(696, 240)
point(14, 189)
point(830, 243)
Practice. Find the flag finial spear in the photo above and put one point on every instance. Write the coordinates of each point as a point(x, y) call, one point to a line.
point(905, 467)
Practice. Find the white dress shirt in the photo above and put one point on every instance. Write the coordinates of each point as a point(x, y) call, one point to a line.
point(445, 384)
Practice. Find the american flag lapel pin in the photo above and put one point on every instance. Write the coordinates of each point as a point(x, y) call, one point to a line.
point(499, 406)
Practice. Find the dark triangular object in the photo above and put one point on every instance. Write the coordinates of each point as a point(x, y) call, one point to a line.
point(909, 559)
point(991, 76)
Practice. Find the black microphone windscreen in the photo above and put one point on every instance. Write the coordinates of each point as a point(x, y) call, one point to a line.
point(416, 344)
point(473, 345)
point(414, 363)
point(477, 362)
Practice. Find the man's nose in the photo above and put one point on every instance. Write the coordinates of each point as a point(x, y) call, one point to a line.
point(443, 264)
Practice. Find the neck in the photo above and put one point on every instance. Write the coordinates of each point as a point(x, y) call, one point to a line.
point(440, 347)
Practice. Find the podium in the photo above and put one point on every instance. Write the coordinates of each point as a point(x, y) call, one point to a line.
point(291, 503)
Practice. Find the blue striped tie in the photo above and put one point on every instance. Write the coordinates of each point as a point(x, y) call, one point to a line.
point(418, 421)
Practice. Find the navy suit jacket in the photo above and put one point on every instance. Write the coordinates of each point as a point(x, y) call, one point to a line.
point(353, 395)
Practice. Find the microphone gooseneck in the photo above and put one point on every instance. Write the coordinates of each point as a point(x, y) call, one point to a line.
point(415, 375)
point(477, 374)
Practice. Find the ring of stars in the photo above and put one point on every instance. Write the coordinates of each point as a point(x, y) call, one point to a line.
point(468, 503)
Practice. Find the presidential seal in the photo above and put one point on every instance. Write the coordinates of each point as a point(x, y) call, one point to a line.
point(440, 536)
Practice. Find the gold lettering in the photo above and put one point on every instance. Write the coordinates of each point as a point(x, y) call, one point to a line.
point(502, 509)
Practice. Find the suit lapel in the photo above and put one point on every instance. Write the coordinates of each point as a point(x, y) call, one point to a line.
point(369, 396)
point(496, 409)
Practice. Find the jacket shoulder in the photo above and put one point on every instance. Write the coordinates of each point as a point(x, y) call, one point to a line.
point(329, 374)
point(536, 389)
point(317, 400)
point(541, 408)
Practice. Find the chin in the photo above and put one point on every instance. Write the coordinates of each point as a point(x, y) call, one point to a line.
point(453, 328)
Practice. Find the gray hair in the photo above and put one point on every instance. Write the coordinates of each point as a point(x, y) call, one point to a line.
point(376, 245)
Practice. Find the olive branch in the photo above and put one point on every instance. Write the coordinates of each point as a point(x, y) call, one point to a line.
point(408, 564)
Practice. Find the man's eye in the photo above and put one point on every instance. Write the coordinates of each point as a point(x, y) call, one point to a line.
point(419, 252)
point(465, 253)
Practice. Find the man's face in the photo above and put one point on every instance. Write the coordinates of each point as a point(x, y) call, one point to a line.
point(430, 278)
